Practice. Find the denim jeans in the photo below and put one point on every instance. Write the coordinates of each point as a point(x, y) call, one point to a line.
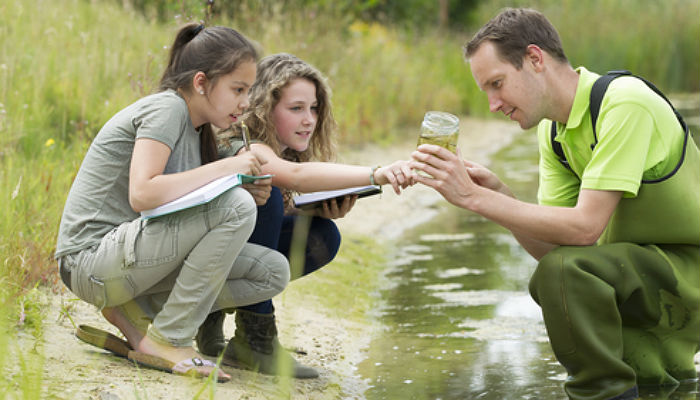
point(188, 263)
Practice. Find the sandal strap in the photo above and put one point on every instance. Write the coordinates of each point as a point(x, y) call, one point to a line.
point(187, 364)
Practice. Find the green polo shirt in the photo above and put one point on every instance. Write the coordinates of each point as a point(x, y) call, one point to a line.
point(639, 138)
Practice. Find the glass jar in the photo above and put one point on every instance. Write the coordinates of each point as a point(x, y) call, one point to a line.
point(440, 128)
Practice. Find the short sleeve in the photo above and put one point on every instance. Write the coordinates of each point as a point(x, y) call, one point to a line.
point(165, 119)
point(619, 158)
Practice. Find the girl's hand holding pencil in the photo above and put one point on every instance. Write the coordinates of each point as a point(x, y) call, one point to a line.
point(245, 162)
point(261, 188)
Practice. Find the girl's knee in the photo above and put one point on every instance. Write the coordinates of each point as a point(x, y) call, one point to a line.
point(278, 265)
point(331, 236)
point(322, 245)
point(237, 204)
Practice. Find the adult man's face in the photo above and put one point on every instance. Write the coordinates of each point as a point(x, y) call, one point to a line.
point(517, 93)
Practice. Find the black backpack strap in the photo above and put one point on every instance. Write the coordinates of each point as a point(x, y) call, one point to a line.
point(600, 86)
point(558, 150)
point(596, 98)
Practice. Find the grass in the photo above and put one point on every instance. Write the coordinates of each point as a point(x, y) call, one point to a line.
point(21, 357)
point(67, 69)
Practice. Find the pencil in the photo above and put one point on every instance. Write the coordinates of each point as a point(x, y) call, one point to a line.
point(244, 131)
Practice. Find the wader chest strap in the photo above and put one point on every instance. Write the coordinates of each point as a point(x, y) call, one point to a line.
point(600, 86)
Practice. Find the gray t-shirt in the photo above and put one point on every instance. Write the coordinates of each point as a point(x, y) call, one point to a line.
point(98, 200)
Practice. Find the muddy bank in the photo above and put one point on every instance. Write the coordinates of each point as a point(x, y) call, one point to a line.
point(324, 338)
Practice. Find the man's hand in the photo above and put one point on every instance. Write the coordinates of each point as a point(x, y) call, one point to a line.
point(449, 174)
point(483, 177)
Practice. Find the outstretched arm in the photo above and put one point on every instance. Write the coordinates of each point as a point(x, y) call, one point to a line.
point(538, 228)
point(482, 176)
point(307, 177)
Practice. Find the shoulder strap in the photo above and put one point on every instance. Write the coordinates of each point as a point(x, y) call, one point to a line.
point(596, 98)
point(556, 147)
point(600, 86)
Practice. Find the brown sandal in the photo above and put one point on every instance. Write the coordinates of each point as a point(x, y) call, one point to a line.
point(104, 340)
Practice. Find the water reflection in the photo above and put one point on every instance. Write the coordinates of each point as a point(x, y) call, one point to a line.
point(459, 322)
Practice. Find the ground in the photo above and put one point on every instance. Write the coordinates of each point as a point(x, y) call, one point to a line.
point(329, 342)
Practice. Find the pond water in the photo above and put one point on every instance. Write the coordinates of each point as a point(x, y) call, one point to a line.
point(458, 320)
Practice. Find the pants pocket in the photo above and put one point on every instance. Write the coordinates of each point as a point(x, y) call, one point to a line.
point(150, 242)
point(89, 289)
point(99, 295)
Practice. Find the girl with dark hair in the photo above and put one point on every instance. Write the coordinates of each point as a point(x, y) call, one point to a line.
point(186, 264)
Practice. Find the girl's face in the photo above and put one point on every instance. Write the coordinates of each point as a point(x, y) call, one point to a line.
point(228, 98)
point(296, 114)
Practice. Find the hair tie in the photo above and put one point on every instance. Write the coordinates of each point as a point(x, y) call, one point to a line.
point(198, 29)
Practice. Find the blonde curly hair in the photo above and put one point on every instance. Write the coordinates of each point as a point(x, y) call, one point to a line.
point(275, 72)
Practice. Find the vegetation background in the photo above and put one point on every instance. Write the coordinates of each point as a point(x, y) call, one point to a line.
point(66, 66)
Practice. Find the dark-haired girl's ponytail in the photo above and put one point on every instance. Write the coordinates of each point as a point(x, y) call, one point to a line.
point(215, 51)
point(184, 36)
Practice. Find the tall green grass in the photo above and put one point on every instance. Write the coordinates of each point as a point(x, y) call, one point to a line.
point(66, 69)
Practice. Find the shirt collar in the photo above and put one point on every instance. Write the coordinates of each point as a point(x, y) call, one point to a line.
point(579, 108)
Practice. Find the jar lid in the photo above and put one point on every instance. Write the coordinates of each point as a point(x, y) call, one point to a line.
point(440, 121)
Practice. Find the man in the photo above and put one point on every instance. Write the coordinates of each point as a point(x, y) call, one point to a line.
point(616, 233)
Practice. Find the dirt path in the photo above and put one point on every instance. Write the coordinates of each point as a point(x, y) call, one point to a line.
point(334, 345)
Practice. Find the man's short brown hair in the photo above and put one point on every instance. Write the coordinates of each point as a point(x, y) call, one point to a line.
point(512, 30)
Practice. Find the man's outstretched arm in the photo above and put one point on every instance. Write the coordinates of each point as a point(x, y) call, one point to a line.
point(538, 228)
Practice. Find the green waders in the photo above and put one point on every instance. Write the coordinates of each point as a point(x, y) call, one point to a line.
point(621, 314)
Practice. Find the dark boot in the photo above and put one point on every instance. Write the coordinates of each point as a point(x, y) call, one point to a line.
point(255, 346)
point(210, 336)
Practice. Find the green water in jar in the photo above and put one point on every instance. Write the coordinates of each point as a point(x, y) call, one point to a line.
point(447, 141)
point(440, 128)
